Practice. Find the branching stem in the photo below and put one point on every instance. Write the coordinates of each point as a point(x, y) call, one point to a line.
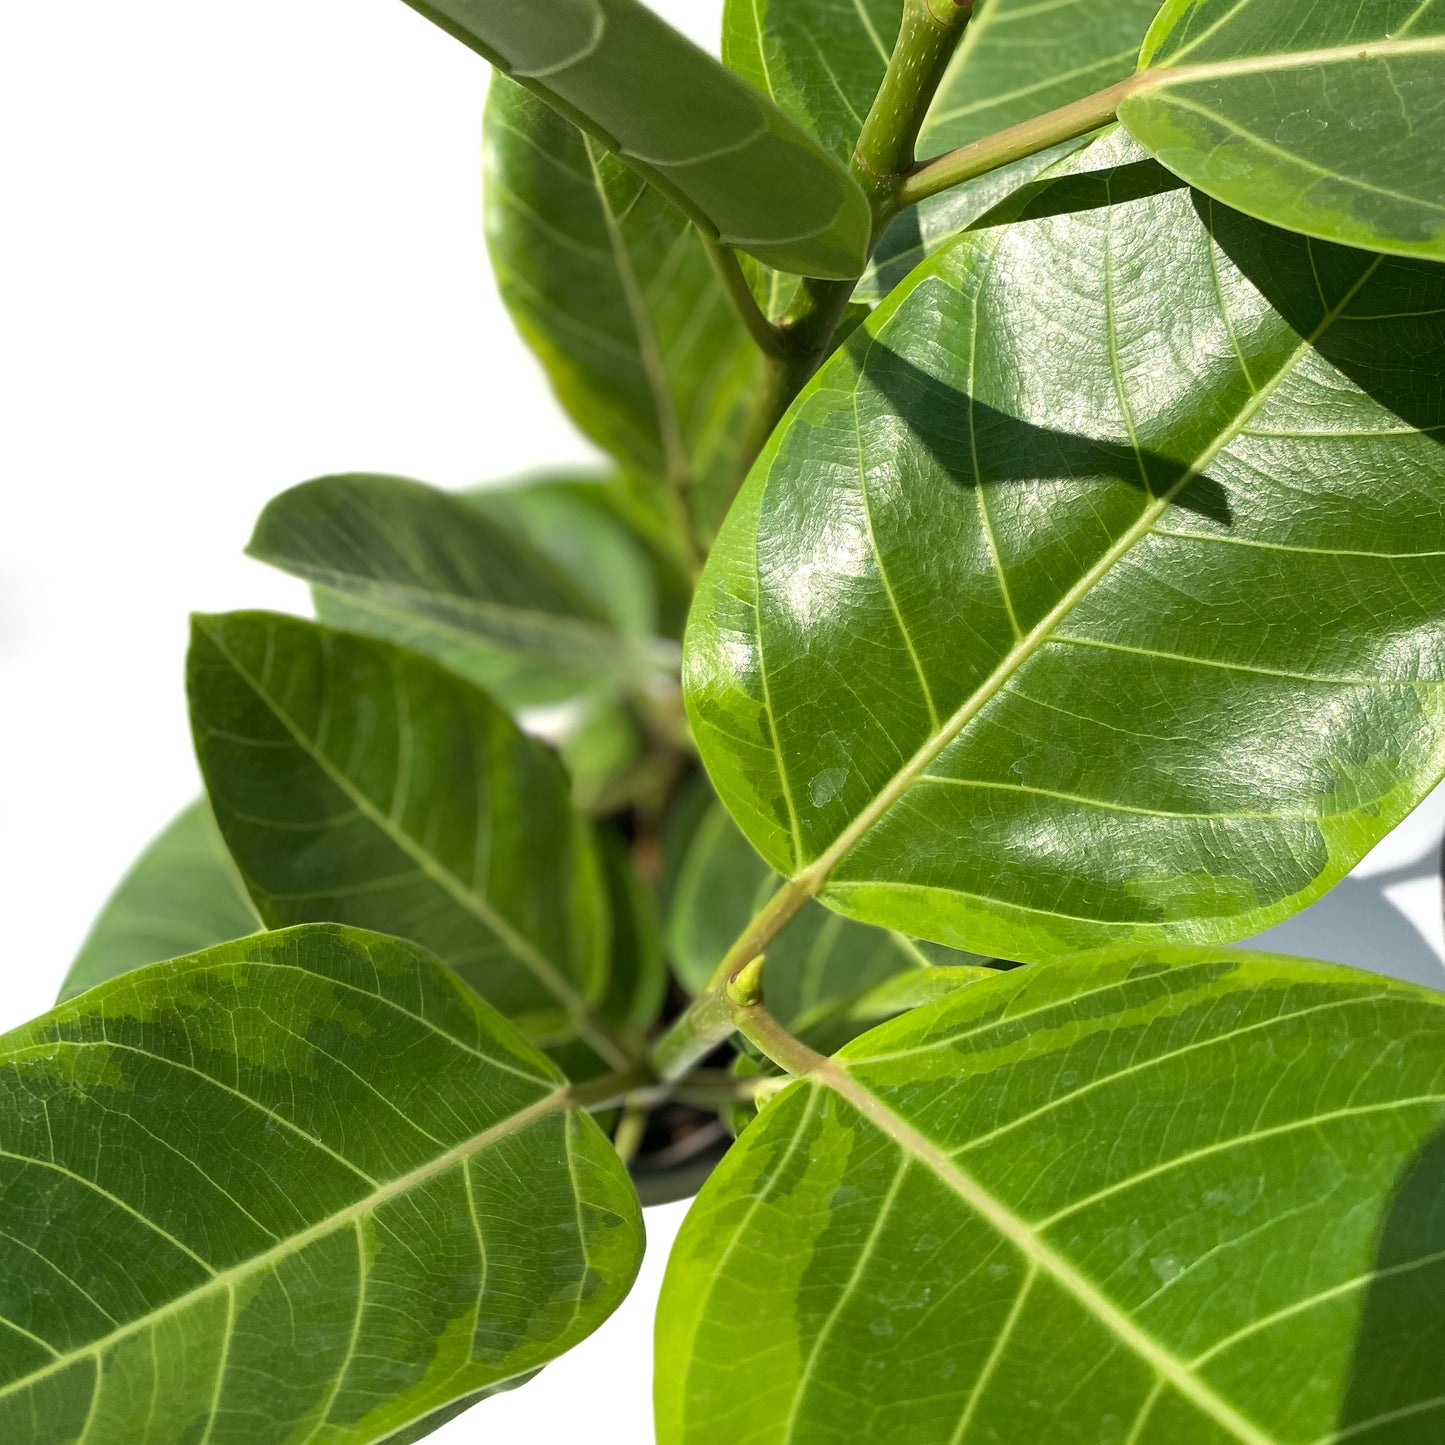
point(710, 1018)
point(927, 37)
point(882, 160)
point(979, 157)
point(882, 163)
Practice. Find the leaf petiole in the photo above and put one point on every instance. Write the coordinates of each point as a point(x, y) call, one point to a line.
point(786, 1050)
point(710, 1019)
point(771, 339)
point(979, 157)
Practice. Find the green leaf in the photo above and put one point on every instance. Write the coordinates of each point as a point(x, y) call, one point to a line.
point(270, 1193)
point(614, 290)
point(1017, 59)
point(460, 580)
point(1189, 1197)
point(1326, 118)
point(736, 165)
point(355, 782)
point(637, 981)
point(818, 961)
point(831, 1025)
point(1093, 593)
point(567, 520)
point(181, 895)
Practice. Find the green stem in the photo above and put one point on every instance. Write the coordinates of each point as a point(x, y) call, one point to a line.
point(885, 150)
point(703, 1091)
point(979, 157)
point(627, 1137)
point(881, 163)
point(611, 1089)
point(770, 339)
point(786, 1051)
point(709, 1019)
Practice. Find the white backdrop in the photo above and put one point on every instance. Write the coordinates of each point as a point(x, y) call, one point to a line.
point(242, 248)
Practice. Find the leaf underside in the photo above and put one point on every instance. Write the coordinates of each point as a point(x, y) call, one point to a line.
point(1092, 594)
point(1322, 117)
point(456, 577)
point(1193, 1197)
point(735, 163)
point(301, 1187)
point(181, 895)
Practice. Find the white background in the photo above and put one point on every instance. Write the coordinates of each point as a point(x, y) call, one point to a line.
point(241, 247)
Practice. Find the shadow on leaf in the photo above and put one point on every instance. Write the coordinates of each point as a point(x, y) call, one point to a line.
point(1396, 1391)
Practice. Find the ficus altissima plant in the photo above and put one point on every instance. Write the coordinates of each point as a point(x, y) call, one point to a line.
point(1020, 576)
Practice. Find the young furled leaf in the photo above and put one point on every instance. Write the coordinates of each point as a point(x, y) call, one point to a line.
point(1326, 118)
point(305, 1186)
point(1189, 1196)
point(613, 289)
point(356, 782)
point(1093, 593)
point(732, 161)
point(181, 895)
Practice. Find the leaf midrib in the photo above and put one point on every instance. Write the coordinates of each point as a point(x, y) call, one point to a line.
point(1166, 1365)
point(227, 1279)
point(1164, 72)
point(521, 948)
point(814, 876)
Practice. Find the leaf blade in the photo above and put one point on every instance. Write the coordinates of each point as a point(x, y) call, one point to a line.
point(616, 294)
point(264, 1033)
point(738, 166)
point(457, 578)
point(956, 1266)
point(1052, 692)
point(1305, 116)
point(357, 783)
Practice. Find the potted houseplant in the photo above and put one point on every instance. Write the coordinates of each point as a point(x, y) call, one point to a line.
point(1018, 582)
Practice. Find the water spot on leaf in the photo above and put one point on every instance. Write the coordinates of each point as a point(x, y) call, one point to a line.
point(826, 786)
point(1299, 126)
point(1167, 1267)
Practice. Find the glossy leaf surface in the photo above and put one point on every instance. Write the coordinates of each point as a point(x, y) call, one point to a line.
point(818, 961)
point(1190, 1197)
point(460, 580)
point(735, 163)
point(1094, 594)
point(181, 895)
point(828, 1027)
point(822, 62)
point(614, 290)
point(358, 783)
point(1323, 117)
point(273, 1192)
